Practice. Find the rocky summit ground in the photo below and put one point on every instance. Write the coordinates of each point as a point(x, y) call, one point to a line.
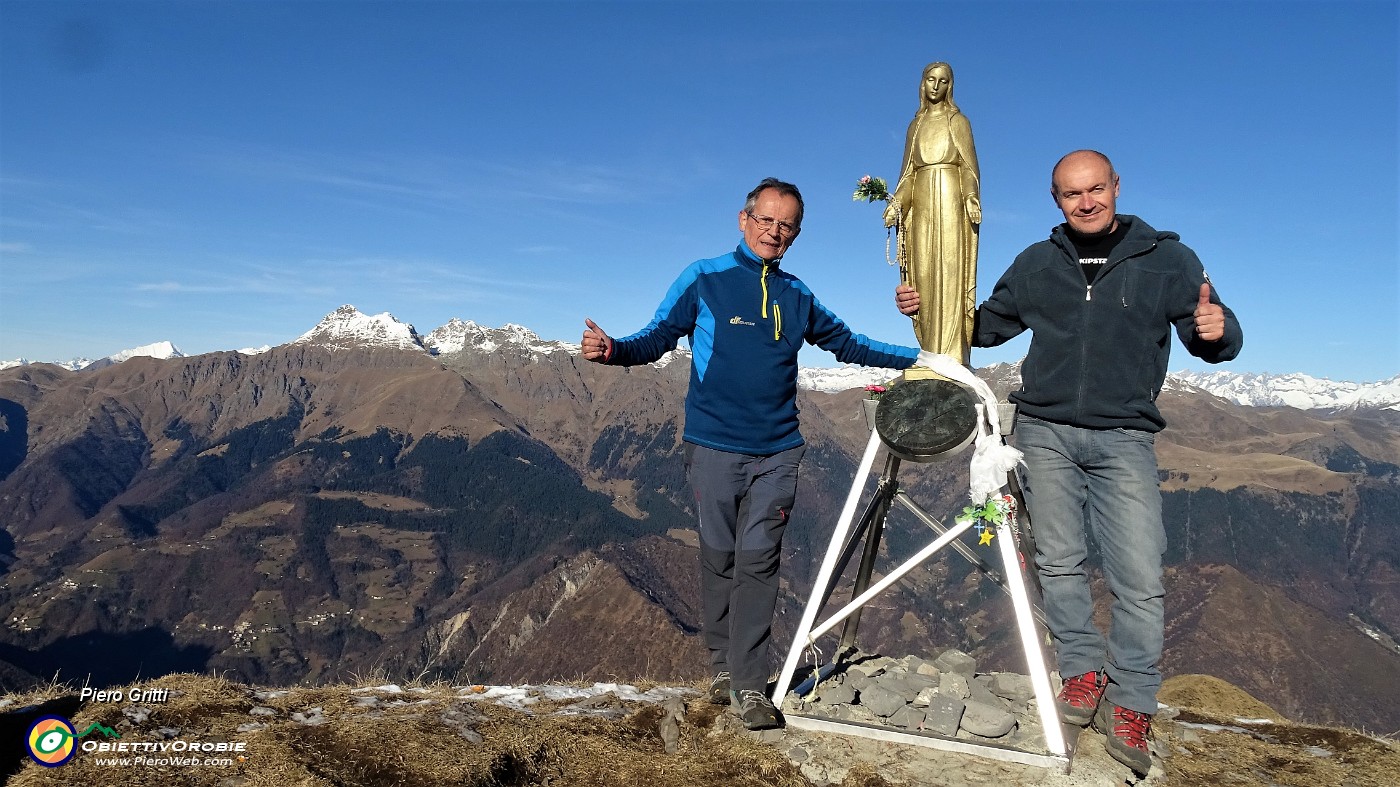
point(631, 736)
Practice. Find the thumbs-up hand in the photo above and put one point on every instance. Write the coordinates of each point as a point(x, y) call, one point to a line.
point(1210, 318)
point(595, 342)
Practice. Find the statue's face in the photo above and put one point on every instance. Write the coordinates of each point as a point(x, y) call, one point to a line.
point(937, 82)
point(772, 243)
point(1086, 190)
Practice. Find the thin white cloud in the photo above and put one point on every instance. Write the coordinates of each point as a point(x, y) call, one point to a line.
point(259, 280)
point(60, 206)
point(450, 183)
point(243, 286)
point(409, 271)
point(346, 280)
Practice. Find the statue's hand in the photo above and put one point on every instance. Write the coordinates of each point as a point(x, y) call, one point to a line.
point(892, 213)
point(974, 210)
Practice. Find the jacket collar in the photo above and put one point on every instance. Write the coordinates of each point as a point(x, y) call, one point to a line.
point(752, 261)
point(1139, 237)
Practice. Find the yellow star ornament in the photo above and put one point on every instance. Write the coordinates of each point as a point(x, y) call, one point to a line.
point(987, 536)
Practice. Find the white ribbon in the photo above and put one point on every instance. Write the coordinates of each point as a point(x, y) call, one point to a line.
point(992, 458)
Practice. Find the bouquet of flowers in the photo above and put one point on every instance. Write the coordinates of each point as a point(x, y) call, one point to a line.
point(877, 190)
point(874, 391)
point(871, 189)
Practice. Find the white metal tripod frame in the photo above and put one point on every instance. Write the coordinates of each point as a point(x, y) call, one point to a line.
point(889, 579)
point(828, 567)
point(1035, 660)
point(807, 633)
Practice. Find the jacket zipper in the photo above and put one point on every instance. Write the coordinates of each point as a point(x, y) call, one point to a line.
point(777, 315)
point(1089, 296)
point(763, 282)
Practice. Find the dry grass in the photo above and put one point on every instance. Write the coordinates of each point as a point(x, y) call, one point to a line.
point(1287, 755)
point(1209, 694)
point(406, 740)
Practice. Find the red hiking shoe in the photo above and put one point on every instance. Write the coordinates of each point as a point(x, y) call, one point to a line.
point(1127, 733)
point(1080, 697)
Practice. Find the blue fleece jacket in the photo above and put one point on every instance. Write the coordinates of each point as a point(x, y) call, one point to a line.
point(746, 320)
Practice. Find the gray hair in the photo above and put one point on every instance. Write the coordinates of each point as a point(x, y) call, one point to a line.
point(782, 187)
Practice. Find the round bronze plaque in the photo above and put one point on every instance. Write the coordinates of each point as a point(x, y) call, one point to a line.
point(923, 420)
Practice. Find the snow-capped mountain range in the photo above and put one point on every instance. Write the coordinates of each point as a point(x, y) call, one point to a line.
point(161, 350)
point(347, 327)
point(1295, 390)
point(458, 335)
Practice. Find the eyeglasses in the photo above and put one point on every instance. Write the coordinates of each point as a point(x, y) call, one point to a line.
point(765, 223)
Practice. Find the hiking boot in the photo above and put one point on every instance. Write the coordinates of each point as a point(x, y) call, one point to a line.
point(755, 709)
point(719, 689)
point(1126, 734)
point(1080, 697)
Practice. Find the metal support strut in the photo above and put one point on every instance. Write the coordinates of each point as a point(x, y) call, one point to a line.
point(870, 527)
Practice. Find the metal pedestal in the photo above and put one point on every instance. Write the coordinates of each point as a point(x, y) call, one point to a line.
point(844, 542)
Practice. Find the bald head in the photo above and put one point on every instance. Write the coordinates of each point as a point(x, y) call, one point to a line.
point(1082, 156)
point(1085, 188)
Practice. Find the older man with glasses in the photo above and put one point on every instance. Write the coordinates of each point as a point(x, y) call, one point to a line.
point(746, 319)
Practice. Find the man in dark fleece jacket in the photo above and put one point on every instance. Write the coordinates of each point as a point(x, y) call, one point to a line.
point(746, 320)
point(1101, 298)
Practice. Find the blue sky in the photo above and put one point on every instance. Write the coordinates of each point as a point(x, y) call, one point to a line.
point(222, 174)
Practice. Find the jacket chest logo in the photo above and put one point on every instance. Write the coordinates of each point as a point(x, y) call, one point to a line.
point(737, 320)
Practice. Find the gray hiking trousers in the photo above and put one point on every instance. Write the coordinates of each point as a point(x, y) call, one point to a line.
point(742, 503)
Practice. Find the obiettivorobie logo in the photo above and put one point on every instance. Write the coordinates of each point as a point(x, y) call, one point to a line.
point(52, 740)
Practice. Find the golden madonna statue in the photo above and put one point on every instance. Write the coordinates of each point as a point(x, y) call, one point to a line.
point(936, 210)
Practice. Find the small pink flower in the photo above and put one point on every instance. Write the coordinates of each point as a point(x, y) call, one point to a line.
point(865, 180)
point(875, 388)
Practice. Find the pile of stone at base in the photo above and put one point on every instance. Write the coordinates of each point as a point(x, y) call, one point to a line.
point(944, 697)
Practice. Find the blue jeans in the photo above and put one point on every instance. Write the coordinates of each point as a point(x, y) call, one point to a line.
point(1105, 479)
